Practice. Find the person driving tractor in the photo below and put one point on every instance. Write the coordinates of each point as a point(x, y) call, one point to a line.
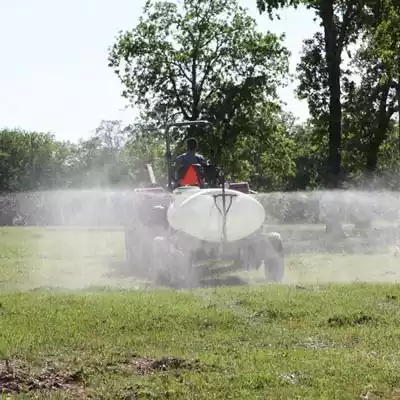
point(185, 173)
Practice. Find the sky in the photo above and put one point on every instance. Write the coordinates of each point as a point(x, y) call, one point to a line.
point(54, 75)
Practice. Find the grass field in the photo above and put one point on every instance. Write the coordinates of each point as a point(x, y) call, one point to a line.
point(72, 327)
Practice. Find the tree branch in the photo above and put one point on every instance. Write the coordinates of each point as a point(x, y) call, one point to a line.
point(179, 66)
point(176, 92)
point(209, 66)
point(347, 18)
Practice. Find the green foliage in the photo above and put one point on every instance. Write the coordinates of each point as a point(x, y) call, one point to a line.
point(313, 77)
point(310, 155)
point(145, 146)
point(180, 59)
point(29, 160)
point(371, 104)
point(321, 71)
point(271, 5)
point(201, 60)
point(385, 34)
point(114, 156)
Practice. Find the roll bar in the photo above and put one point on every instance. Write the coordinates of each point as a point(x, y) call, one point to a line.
point(168, 142)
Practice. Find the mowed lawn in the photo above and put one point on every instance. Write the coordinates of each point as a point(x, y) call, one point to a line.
point(100, 339)
point(63, 258)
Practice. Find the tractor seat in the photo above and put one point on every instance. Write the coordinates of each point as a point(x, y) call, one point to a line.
point(242, 187)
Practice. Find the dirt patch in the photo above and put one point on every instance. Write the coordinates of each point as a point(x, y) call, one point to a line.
point(16, 377)
point(145, 366)
point(315, 344)
point(344, 320)
point(291, 378)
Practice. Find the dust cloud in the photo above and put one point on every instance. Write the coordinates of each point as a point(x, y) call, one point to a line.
point(338, 236)
point(76, 238)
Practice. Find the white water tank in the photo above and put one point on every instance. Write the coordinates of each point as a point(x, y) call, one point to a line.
point(197, 212)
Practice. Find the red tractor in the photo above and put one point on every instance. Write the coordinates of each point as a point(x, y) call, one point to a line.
point(183, 234)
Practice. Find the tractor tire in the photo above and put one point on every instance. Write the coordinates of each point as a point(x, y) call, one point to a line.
point(137, 253)
point(175, 270)
point(159, 260)
point(130, 252)
point(274, 262)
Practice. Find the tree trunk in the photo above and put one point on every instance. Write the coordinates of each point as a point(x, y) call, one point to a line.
point(398, 105)
point(372, 158)
point(333, 61)
point(379, 134)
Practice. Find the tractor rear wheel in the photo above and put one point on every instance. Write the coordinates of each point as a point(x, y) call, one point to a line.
point(274, 262)
point(176, 270)
point(137, 253)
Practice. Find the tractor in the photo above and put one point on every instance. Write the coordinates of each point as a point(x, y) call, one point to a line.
point(182, 235)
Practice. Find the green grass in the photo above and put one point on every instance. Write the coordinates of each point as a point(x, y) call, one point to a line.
point(34, 258)
point(307, 341)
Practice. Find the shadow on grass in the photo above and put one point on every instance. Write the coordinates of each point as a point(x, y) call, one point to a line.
point(141, 280)
point(230, 280)
point(123, 270)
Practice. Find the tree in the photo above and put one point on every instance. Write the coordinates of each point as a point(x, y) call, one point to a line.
point(340, 20)
point(313, 78)
point(264, 152)
point(369, 107)
point(384, 38)
point(199, 59)
point(99, 160)
point(144, 146)
point(28, 160)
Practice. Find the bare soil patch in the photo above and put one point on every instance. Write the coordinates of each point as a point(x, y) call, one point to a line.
point(16, 377)
point(146, 366)
point(345, 320)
